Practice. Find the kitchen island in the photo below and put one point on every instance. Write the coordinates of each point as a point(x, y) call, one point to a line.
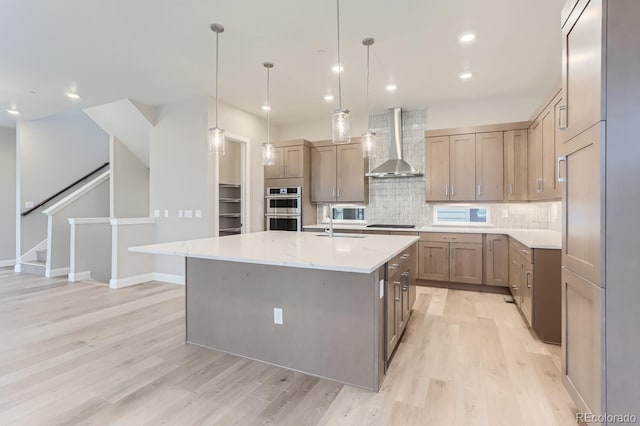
point(323, 306)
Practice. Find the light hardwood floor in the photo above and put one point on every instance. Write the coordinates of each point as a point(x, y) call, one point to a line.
point(85, 354)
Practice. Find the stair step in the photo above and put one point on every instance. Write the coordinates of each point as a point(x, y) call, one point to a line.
point(33, 267)
point(41, 255)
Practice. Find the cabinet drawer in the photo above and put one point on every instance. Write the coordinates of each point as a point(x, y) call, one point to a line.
point(524, 251)
point(450, 238)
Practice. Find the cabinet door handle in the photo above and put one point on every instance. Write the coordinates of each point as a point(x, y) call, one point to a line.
point(396, 284)
point(338, 192)
point(515, 287)
point(393, 266)
point(539, 185)
point(453, 191)
point(446, 190)
point(333, 194)
point(561, 158)
point(479, 189)
point(562, 117)
point(510, 189)
point(528, 275)
point(404, 256)
point(405, 288)
point(404, 274)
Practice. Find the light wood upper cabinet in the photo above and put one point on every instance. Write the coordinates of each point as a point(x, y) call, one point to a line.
point(465, 263)
point(489, 166)
point(582, 65)
point(351, 181)
point(437, 173)
point(515, 165)
point(288, 163)
point(323, 174)
point(462, 173)
point(277, 169)
point(534, 158)
point(338, 174)
point(496, 264)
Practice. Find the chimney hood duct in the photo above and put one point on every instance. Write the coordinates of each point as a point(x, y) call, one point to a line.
point(395, 166)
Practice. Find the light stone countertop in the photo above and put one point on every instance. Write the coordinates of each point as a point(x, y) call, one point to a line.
point(292, 249)
point(532, 238)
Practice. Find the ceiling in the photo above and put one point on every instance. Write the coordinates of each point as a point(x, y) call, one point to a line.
point(160, 51)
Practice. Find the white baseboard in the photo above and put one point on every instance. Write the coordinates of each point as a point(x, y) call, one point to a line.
point(49, 273)
point(129, 281)
point(17, 268)
point(79, 276)
point(168, 278)
point(5, 263)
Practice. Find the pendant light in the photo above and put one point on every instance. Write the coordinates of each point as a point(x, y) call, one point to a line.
point(341, 128)
point(368, 137)
point(216, 134)
point(268, 149)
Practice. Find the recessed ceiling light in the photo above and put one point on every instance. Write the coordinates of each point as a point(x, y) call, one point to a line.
point(13, 111)
point(337, 68)
point(466, 75)
point(266, 107)
point(328, 98)
point(391, 87)
point(466, 38)
point(72, 95)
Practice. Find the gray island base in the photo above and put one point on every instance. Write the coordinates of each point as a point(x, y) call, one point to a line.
point(329, 307)
point(332, 322)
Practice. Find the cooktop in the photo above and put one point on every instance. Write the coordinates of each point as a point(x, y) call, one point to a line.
point(378, 225)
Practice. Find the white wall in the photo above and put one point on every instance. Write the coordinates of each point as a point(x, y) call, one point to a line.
point(91, 251)
point(179, 174)
point(52, 153)
point(7, 195)
point(129, 183)
point(439, 116)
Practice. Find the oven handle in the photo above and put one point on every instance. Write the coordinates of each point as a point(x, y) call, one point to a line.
point(281, 215)
point(285, 196)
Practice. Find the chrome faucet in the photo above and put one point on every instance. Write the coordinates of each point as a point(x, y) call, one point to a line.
point(330, 229)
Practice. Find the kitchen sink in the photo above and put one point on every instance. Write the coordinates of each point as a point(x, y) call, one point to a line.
point(336, 235)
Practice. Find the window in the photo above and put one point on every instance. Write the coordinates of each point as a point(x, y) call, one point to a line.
point(345, 213)
point(460, 215)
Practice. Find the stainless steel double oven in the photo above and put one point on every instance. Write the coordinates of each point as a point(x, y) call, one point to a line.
point(283, 209)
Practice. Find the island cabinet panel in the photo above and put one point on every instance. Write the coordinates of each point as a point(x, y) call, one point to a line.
point(496, 254)
point(515, 165)
point(462, 174)
point(392, 329)
point(437, 170)
point(490, 166)
point(465, 263)
point(434, 261)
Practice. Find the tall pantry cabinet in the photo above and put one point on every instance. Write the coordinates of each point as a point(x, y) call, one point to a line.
point(598, 163)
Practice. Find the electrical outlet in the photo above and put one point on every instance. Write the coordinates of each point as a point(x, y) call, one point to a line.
point(381, 289)
point(277, 316)
point(198, 214)
point(505, 213)
point(188, 214)
point(180, 214)
point(166, 213)
point(156, 213)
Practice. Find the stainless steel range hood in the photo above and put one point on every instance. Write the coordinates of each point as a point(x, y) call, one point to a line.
point(395, 166)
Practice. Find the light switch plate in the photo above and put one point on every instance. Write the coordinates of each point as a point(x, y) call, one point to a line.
point(180, 214)
point(156, 213)
point(505, 213)
point(198, 214)
point(28, 204)
point(188, 214)
point(166, 213)
point(277, 316)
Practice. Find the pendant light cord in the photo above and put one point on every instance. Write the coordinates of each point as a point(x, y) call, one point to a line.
point(368, 102)
point(217, 48)
point(268, 109)
point(339, 61)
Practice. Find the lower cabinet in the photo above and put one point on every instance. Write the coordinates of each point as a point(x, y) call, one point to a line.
point(399, 297)
point(496, 260)
point(450, 257)
point(535, 283)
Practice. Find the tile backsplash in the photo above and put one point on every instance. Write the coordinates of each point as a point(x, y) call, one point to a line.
point(402, 200)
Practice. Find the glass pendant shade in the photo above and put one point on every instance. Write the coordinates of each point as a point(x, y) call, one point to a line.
point(268, 154)
point(341, 127)
point(368, 144)
point(216, 141)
